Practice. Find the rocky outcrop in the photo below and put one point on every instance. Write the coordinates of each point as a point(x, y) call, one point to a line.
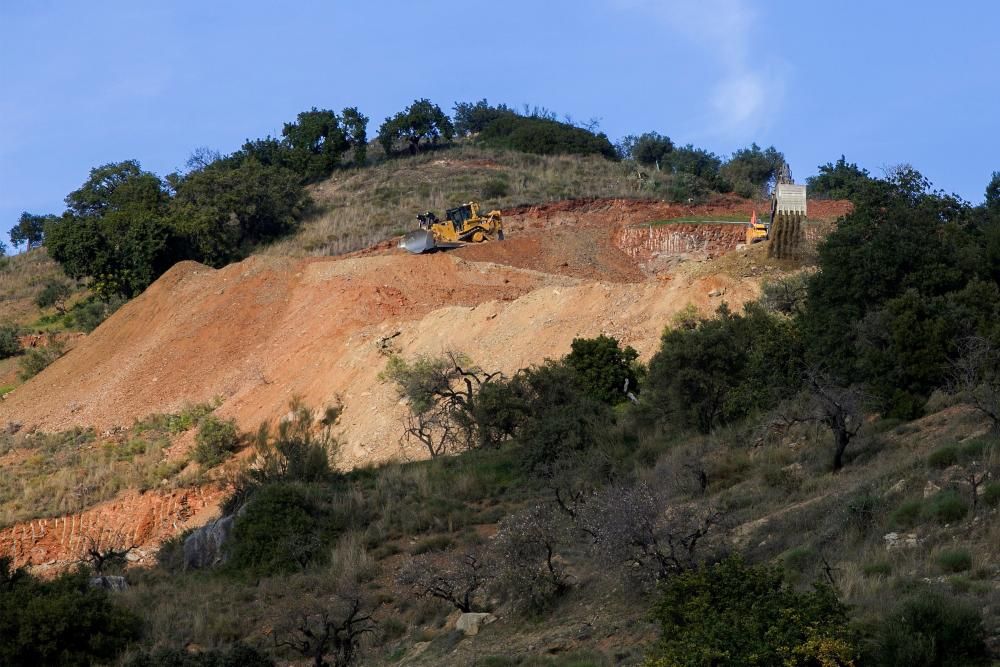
point(203, 548)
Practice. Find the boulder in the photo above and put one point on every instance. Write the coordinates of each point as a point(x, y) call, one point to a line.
point(469, 623)
point(203, 547)
point(114, 583)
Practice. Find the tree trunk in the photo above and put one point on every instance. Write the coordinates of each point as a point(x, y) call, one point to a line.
point(842, 438)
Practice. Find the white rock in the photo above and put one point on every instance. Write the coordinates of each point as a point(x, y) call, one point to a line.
point(470, 622)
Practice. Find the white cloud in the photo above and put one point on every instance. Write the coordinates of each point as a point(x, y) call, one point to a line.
point(747, 89)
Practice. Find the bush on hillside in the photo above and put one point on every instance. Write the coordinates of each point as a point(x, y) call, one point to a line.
point(736, 614)
point(723, 369)
point(604, 370)
point(473, 118)
point(10, 344)
point(55, 294)
point(943, 457)
point(277, 532)
point(89, 314)
point(946, 507)
point(545, 137)
point(37, 359)
point(929, 630)
point(215, 441)
point(63, 621)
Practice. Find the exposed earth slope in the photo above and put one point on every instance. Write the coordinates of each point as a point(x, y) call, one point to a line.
point(254, 334)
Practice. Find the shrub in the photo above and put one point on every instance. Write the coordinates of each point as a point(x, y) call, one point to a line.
point(907, 514)
point(604, 369)
point(946, 507)
point(495, 188)
point(954, 560)
point(216, 439)
point(63, 621)
point(736, 614)
point(545, 136)
point(278, 532)
point(88, 315)
point(943, 457)
point(54, 293)
point(991, 494)
point(10, 344)
point(38, 358)
point(929, 630)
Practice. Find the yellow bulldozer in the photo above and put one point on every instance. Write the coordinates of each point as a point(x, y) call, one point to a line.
point(462, 225)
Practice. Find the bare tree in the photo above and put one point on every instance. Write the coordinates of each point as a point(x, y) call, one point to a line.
point(334, 631)
point(634, 529)
point(824, 401)
point(441, 393)
point(456, 579)
point(525, 552)
point(109, 554)
point(975, 376)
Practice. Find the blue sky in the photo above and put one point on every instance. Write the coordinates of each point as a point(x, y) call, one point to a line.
point(86, 83)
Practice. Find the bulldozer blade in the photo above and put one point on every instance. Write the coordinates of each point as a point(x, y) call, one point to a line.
point(418, 241)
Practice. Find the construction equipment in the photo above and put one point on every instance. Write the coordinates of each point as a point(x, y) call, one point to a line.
point(462, 225)
point(756, 230)
point(788, 210)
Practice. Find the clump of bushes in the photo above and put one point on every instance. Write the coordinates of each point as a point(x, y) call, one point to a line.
point(545, 136)
point(38, 359)
point(215, 441)
point(738, 614)
point(929, 629)
point(63, 621)
point(943, 457)
point(946, 507)
point(10, 344)
point(954, 560)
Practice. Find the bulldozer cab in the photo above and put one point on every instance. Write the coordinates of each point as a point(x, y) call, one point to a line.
point(459, 215)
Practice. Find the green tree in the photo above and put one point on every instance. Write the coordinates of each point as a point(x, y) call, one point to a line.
point(422, 121)
point(734, 614)
point(899, 238)
point(319, 138)
point(317, 141)
point(604, 369)
point(842, 180)
point(356, 128)
point(752, 171)
point(114, 230)
point(29, 230)
point(473, 118)
point(649, 149)
point(219, 214)
point(724, 369)
point(64, 621)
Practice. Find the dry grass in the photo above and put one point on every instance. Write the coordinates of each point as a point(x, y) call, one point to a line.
point(44, 475)
point(360, 207)
point(21, 279)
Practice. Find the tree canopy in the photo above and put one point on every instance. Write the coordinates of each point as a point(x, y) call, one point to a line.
point(420, 123)
point(29, 230)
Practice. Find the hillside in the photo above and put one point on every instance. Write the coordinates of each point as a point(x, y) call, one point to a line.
point(104, 448)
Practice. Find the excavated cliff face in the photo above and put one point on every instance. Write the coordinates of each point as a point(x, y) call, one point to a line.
point(258, 333)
